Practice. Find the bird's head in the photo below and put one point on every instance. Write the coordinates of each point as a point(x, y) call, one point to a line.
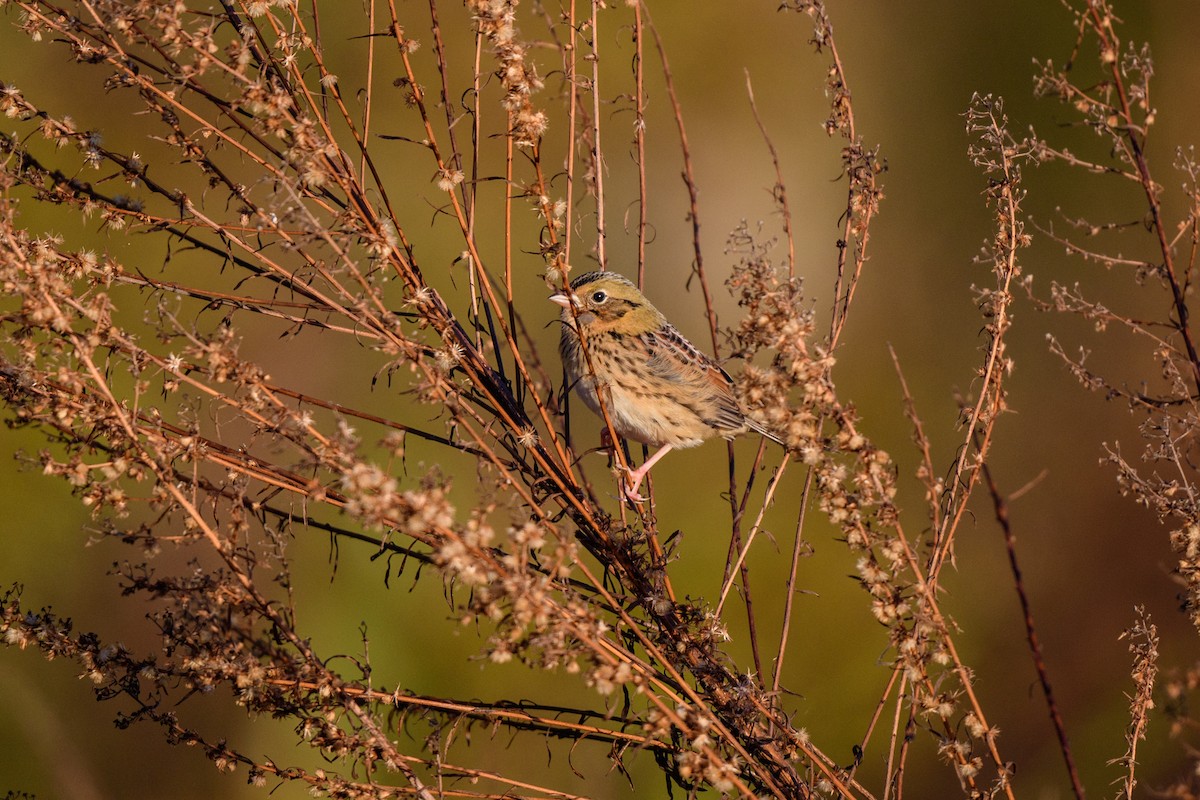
point(605, 301)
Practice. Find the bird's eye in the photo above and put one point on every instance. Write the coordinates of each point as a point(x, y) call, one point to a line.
point(599, 296)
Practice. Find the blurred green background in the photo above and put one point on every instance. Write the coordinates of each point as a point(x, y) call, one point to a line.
point(1089, 555)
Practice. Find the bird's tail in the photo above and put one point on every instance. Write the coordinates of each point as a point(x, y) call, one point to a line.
point(758, 427)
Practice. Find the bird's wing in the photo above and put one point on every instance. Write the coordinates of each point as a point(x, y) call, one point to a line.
point(678, 361)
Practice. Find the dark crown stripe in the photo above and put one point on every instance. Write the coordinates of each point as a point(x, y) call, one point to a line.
point(588, 277)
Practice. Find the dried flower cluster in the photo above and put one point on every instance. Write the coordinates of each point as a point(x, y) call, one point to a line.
point(497, 23)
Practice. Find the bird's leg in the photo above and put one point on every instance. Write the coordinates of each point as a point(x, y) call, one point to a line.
point(633, 480)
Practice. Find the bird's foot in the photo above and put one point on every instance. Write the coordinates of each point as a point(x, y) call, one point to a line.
point(631, 479)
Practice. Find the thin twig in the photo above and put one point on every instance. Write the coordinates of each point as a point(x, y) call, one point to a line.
point(1000, 506)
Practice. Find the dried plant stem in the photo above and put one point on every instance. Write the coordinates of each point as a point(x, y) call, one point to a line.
point(1000, 505)
point(737, 565)
point(639, 137)
point(689, 180)
point(1100, 17)
point(1000, 156)
point(1143, 645)
point(596, 154)
point(779, 191)
point(793, 584)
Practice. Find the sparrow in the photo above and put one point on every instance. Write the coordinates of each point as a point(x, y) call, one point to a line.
point(620, 353)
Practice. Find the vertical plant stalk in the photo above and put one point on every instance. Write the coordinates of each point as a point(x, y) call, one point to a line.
point(1143, 646)
point(639, 137)
point(1000, 506)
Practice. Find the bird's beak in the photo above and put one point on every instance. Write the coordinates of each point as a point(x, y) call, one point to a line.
point(565, 300)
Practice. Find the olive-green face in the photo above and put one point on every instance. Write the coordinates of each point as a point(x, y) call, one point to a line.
point(605, 300)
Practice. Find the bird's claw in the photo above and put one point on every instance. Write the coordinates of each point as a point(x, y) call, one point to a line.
point(630, 481)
